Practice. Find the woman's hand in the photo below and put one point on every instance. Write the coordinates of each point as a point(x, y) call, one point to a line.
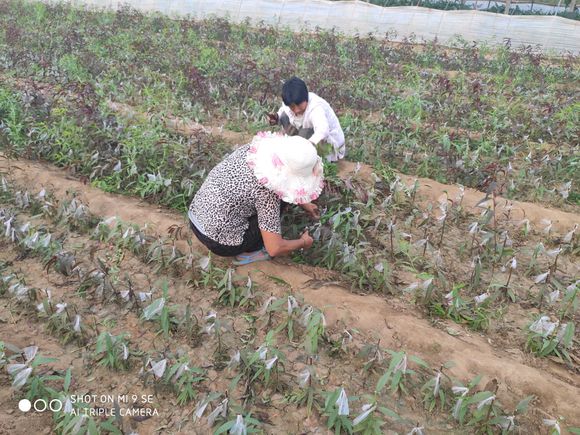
point(312, 210)
point(272, 118)
point(276, 245)
point(306, 240)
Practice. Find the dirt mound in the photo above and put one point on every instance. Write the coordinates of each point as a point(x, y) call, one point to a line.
point(433, 191)
point(373, 316)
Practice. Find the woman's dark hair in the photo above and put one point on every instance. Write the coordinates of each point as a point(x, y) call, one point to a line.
point(294, 91)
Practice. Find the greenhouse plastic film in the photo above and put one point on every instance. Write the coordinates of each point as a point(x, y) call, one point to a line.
point(350, 17)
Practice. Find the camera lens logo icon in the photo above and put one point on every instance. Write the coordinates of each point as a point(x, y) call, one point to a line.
point(40, 405)
point(24, 405)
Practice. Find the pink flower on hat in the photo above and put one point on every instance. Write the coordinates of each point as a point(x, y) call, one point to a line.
point(301, 193)
point(269, 160)
point(276, 161)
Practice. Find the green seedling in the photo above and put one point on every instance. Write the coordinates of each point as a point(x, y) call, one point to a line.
point(264, 365)
point(550, 338)
point(434, 391)
point(370, 421)
point(398, 375)
point(63, 324)
point(306, 394)
point(313, 320)
point(289, 308)
point(232, 294)
point(336, 410)
point(112, 351)
point(182, 378)
point(239, 426)
point(159, 311)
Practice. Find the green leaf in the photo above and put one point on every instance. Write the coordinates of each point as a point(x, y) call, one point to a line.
point(383, 381)
point(92, 427)
point(396, 381)
point(42, 360)
point(523, 405)
point(67, 379)
point(419, 361)
point(475, 381)
point(234, 382)
point(278, 280)
point(224, 427)
point(478, 397)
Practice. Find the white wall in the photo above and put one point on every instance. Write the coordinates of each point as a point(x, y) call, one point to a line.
point(550, 32)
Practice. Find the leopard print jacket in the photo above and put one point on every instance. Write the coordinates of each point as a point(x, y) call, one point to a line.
point(229, 196)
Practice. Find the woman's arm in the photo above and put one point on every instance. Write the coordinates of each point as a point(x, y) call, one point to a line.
point(276, 245)
point(311, 209)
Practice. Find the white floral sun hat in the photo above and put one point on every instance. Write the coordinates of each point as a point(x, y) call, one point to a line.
point(287, 165)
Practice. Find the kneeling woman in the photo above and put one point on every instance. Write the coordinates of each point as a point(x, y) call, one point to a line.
point(236, 212)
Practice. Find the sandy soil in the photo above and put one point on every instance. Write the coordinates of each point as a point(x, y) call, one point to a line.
point(394, 322)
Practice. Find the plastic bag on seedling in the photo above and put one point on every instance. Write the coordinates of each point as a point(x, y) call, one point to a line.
point(154, 308)
point(13, 369)
point(159, 367)
point(543, 326)
point(481, 298)
point(366, 411)
point(553, 296)
point(262, 352)
point(221, 409)
point(416, 431)
point(234, 360)
point(267, 304)
point(292, 304)
point(8, 225)
point(564, 189)
point(568, 237)
point(200, 408)
point(45, 240)
point(77, 323)
point(342, 403)
point(486, 401)
point(239, 427)
point(144, 296)
point(553, 423)
point(507, 423)
point(304, 377)
point(19, 291)
point(21, 378)
point(270, 363)
point(29, 353)
point(437, 384)
point(182, 369)
point(548, 225)
point(541, 277)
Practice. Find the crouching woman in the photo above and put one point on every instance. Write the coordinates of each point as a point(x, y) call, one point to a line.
point(236, 212)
